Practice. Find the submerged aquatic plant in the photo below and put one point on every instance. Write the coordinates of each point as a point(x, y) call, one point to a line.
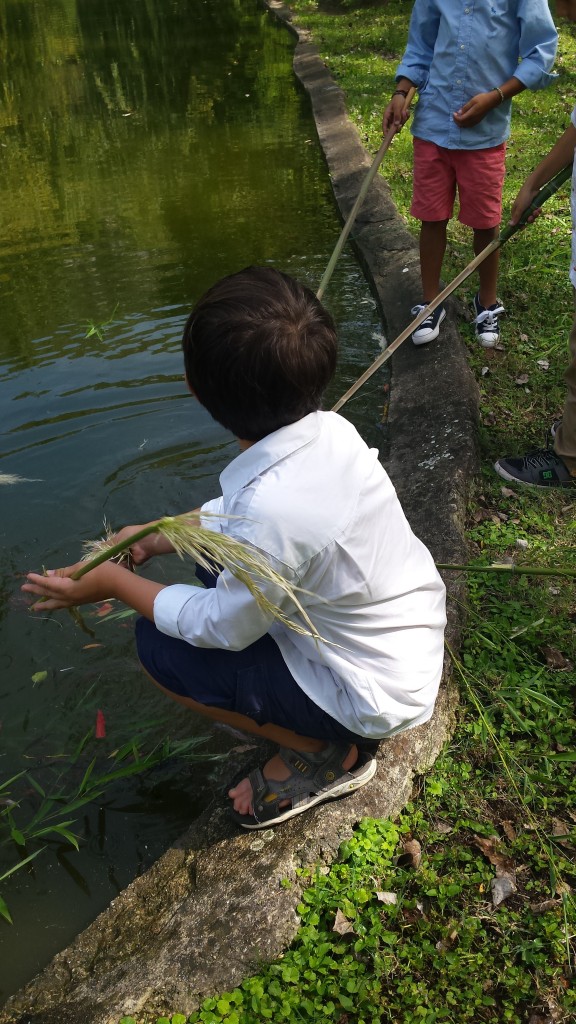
point(208, 549)
point(51, 817)
point(98, 329)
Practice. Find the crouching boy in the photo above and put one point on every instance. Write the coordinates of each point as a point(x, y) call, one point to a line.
point(310, 496)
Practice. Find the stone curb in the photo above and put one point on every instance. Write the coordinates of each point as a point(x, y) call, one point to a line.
point(217, 903)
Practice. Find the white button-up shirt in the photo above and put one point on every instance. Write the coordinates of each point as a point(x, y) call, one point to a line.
point(315, 500)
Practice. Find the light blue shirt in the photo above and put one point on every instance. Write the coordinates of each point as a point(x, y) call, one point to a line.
point(458, 48)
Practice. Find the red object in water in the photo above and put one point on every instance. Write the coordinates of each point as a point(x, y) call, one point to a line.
point(100, 725)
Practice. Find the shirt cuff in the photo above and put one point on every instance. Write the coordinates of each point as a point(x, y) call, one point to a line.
point(532, 76)
point(169, 603)
point(419, 76)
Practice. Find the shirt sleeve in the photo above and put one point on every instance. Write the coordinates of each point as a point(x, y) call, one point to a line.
point(422, 34)
point(538, 44)
point(226, 616)
point(208, 511)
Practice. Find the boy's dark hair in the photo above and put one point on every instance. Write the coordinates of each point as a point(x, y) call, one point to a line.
point(259, 351)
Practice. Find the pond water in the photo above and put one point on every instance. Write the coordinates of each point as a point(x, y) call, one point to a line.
point(147, 147)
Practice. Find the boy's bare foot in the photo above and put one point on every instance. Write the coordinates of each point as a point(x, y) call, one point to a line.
point(275, 770)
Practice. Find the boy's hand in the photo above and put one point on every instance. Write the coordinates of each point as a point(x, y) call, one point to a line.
point(148, 547)
point(59, 591)
point(396, 114)
point(525, 196)
point(476, 109)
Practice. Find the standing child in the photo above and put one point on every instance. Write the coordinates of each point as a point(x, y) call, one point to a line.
point(467, 58)
point(551, 467)
point(314, 501)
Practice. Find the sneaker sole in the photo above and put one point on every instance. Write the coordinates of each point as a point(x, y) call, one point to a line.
point(488, 344)
point(527, 483)
point(343, 789)
point(433, 333)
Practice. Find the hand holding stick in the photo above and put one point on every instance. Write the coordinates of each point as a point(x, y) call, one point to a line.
point(392, 131)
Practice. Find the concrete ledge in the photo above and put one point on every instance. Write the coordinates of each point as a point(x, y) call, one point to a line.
point(213, 906)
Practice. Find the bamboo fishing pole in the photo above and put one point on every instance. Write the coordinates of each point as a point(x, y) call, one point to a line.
point(545, 193)
point(392, 131)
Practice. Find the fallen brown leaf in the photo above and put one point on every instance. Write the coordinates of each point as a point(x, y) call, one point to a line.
point(446, 943)
point(412, 855)
point(387, 897)
point(481, 514)
point(489, 847)
point(561, 832)
point(509, 831)
point(556, 660)
point(342, 925)
point(504, 884)
point(444, 827)
point(541, 908)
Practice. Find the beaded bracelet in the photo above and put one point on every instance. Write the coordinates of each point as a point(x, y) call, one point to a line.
point(496, 88)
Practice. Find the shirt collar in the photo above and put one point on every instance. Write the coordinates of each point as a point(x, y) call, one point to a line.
point(270, 450)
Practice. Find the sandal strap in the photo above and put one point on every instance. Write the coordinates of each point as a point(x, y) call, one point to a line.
point(316, 770)
point(309, 773)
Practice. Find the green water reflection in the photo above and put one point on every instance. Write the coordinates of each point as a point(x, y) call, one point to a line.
point(147, 147)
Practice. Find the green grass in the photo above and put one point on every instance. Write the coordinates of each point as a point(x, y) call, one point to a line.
point(442, 951)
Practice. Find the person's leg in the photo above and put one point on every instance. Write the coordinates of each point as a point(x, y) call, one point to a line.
point(432, 250)
point(433, 196)
point(480, 176)
point(275, 770)
point(251, 690)
point(565, 436)
point(547, 467)
point(488, 269)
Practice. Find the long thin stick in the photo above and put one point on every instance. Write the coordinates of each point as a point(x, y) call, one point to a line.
point(360, 199)
point(522, 570)
point(548, 190)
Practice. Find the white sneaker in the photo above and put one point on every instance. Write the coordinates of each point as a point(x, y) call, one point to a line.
point(429, 329)
point(486, 321)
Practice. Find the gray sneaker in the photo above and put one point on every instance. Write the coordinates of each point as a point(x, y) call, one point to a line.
point(539, 468)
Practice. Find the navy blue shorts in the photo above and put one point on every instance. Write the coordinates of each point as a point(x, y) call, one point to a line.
point(254, 682)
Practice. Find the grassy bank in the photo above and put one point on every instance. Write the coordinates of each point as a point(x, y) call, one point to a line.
point(463, 909)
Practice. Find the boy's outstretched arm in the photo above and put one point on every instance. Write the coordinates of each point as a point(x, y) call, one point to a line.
point(109, 580)
point(57, 590)
point(562, 153)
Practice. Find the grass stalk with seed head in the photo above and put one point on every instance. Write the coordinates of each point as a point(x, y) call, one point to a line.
point(207, 548)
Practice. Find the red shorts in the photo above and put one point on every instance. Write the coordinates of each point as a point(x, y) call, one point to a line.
point(478, 174)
